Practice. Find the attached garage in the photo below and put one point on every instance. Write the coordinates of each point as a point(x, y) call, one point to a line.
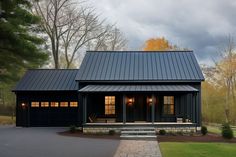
point(47, 98)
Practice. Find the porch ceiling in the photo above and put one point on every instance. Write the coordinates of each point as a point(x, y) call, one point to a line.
point(138, 88)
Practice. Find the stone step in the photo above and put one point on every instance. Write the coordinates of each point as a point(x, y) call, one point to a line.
point(138, 136)
point(138, 132)
point(138, 129)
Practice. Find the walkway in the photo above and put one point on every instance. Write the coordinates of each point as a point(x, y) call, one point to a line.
point(138, 148)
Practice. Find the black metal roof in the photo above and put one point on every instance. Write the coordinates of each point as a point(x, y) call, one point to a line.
point(140, 66)
point(138, 88)
point(48, 80)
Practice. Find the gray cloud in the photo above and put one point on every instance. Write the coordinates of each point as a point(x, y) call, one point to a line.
point(201, 25)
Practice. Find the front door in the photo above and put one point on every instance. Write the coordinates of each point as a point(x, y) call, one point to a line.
point(140, 108)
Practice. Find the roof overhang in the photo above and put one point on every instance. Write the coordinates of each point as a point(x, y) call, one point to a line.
point(138, 88)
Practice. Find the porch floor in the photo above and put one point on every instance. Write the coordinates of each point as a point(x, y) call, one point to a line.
point(141, 124)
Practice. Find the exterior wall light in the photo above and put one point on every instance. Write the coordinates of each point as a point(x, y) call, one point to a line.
point(130, 101)
point(23, 105)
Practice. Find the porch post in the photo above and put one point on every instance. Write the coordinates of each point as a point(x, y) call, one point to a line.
point(124, 109)
point(153, 109)
point(85, 109)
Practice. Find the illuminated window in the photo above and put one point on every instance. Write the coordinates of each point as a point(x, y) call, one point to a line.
point(34, 104)
point(169, 105)
point(54, 104)
point(63, 104)
point(74, 104)
point(44, 104)
point(109, 105)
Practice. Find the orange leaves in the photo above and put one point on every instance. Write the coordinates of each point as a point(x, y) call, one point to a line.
point(158, 44)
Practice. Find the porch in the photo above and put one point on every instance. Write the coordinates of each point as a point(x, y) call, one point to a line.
point(140, 105)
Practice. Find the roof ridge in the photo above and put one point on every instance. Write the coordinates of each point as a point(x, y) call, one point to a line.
point(51, 69)
point(139, 51)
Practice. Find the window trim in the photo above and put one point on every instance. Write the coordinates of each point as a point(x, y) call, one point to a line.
point(163, 108)
point(109, 106)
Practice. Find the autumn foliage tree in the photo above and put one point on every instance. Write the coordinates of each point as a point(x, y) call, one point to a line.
point(158, 44)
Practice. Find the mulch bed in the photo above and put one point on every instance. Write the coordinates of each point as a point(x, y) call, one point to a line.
point(81, 135)
point(195, 138)
point(160, 138)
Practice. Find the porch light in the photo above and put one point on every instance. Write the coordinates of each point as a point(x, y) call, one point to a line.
point(149, 100)
point(130, 101)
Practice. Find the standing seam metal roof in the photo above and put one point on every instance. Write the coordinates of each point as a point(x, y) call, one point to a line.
point(139, 66)
point(138, 88)
point(48, 80)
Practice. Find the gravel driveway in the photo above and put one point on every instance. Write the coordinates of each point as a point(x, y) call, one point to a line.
point(45, 142)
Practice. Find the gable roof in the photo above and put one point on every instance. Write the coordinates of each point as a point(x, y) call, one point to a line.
point(48, 80)
point(140, 66)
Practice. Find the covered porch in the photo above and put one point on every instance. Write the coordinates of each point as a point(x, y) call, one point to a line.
point(139, 105)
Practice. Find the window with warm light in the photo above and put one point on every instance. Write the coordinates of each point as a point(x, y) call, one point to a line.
point(44, 104)
point(34, 104)
point(74, 104)
point(63, 104)
point(109, 105)
point(54, 104)
point(169, 105)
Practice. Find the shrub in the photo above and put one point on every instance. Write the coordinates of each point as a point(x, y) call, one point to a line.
point(112, 132)
point(162, 132)
point(72, 128)
point(227, 132)
point(204, 130)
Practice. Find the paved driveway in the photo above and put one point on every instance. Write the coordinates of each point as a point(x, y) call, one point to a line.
point(45, 142)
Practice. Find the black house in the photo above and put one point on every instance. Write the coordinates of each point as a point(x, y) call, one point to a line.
point(115, 89)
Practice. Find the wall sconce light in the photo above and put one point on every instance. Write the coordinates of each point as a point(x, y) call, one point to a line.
point(150, 100)
point(23, 105)
point(130, 101)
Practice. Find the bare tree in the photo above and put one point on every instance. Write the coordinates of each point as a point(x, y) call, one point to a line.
point(112, 40)
point(69, 26)
point(80, 31)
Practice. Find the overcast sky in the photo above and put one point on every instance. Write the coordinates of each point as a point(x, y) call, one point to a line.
point(200, 25)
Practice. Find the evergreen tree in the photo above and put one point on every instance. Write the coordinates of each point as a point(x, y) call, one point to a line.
point(20, 49)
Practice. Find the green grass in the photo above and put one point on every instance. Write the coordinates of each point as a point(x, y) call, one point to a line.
point(7, 120)
point(216, 130)
point(191, 149)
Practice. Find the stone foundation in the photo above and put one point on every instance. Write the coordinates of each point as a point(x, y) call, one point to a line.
point(106, 129)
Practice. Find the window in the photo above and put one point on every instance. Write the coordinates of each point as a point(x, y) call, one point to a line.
point(54, 104)
point(34, 104)
point(44, 104)
point(109, 105)
point(169, 105)
point(63, 104)
point(74, 104)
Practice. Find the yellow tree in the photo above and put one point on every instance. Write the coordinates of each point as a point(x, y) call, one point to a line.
point(227, 74)
point(158, 44)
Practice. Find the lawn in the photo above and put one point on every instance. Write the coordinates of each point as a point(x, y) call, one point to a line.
point(191, 149)
point(7, 120)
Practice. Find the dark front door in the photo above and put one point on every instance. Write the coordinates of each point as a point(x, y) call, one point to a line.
point(140, 108)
